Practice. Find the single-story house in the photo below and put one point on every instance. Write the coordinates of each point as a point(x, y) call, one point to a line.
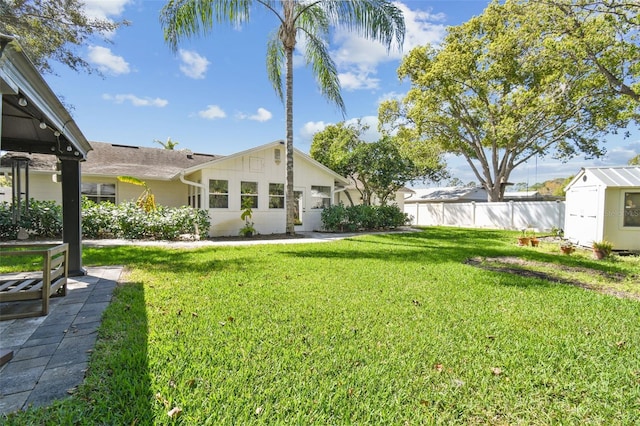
point(211, 182)
point(603, 203)
point(447, 194)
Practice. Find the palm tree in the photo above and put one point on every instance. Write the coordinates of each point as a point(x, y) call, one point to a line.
point(169, 144)
point(377, 20)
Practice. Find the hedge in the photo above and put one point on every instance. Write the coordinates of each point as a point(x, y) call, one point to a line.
point(105, 220)
point(339, 218)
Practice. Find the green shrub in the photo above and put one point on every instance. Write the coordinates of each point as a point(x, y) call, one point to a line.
point(43, 219)
point(105, 220)
point(127, 220)
point(339, 218)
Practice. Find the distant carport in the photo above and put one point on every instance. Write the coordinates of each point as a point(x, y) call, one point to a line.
point(35, 121)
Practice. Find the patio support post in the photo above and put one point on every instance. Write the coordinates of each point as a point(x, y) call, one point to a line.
point(71, 214)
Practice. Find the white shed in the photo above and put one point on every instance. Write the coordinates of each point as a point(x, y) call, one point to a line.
point(603, 203)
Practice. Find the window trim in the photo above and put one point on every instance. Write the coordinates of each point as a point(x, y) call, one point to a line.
point(98, 196)
point(273, 196)
point(245, 195)
point(219, 194)
point(314, 199)
point(631, 210)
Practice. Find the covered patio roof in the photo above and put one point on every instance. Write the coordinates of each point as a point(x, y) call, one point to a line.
point(34, 121)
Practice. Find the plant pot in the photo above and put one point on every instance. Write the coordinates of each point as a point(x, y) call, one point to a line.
point(567, 249)
point(523, 241)
point(534, 242)
point(599, 254)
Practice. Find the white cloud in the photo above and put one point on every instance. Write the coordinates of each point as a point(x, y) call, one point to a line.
point(261, 115)
point(103, 9)
point(391, 96)
point(357, 58)
point(135, 100)
point(107, 62)
point(358, 80)
point(371, 134)
point(193, 65)
point(310, 128)
point(212, 112)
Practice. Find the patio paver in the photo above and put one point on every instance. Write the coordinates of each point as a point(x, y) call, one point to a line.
point(51, 353)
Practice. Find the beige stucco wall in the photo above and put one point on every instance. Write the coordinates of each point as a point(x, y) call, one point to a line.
point(622, 237)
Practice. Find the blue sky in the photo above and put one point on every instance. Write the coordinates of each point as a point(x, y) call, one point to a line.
point(213, 95)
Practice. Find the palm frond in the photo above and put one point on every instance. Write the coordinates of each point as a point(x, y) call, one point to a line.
point(324, 69)
point(378, 20)
point(275, 61)
point(182, 19)
point(132, 180)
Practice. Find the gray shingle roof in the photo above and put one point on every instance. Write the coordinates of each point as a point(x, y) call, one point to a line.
point(122, 160)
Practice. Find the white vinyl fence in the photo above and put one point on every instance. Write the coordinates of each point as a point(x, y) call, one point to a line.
point(540, 215)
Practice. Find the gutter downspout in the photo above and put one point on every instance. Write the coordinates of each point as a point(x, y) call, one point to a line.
point(191, 183)
point(197, 185)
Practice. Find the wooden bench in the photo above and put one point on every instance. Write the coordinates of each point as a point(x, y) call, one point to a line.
point(51, 281)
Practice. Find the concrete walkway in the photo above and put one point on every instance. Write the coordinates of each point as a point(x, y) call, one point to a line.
point(51, 353)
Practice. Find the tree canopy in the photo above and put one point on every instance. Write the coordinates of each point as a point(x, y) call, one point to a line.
point(51, 30)
point(378, 168)
point(507, 86)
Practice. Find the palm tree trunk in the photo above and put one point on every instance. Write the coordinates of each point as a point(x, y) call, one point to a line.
point(290, 201)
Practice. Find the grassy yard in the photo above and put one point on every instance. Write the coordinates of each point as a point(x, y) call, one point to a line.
point(385, 329)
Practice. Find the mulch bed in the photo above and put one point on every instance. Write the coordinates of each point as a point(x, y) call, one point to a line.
point(524, 268)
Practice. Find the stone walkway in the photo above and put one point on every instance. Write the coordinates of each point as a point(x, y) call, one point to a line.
point(51, 353)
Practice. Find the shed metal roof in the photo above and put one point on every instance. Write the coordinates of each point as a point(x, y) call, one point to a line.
point(617, 176)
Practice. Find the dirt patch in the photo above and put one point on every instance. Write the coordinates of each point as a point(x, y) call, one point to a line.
point(527, 268)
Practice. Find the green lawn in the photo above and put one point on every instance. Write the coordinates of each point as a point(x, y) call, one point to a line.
point(386, 329)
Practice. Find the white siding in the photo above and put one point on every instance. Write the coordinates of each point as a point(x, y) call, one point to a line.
point(260, 166)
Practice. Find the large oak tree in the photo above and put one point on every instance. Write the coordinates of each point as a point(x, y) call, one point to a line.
point(512, 84)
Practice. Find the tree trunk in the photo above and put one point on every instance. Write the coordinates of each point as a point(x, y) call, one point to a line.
point(290, 202)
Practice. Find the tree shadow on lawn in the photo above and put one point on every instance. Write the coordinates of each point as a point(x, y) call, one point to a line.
point(438, 247)
point(166, 259)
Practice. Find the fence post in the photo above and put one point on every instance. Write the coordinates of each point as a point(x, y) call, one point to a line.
point(473, 213)
point(512, 214)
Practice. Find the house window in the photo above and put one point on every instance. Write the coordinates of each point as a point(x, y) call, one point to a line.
point(218, 194)
point(276, 195)
point(632, 209)
point(249, 191)
point(100, 192)
point(320, 197)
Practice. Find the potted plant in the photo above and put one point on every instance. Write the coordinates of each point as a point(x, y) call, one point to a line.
point(523, 240)
point(247, 213)
point(601, 249)
point(532, 238)
point(567, 248)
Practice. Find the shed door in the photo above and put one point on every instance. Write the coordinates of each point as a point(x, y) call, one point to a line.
point(581, 225)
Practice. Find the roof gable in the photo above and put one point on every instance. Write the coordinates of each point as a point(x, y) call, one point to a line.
point(274, 144)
